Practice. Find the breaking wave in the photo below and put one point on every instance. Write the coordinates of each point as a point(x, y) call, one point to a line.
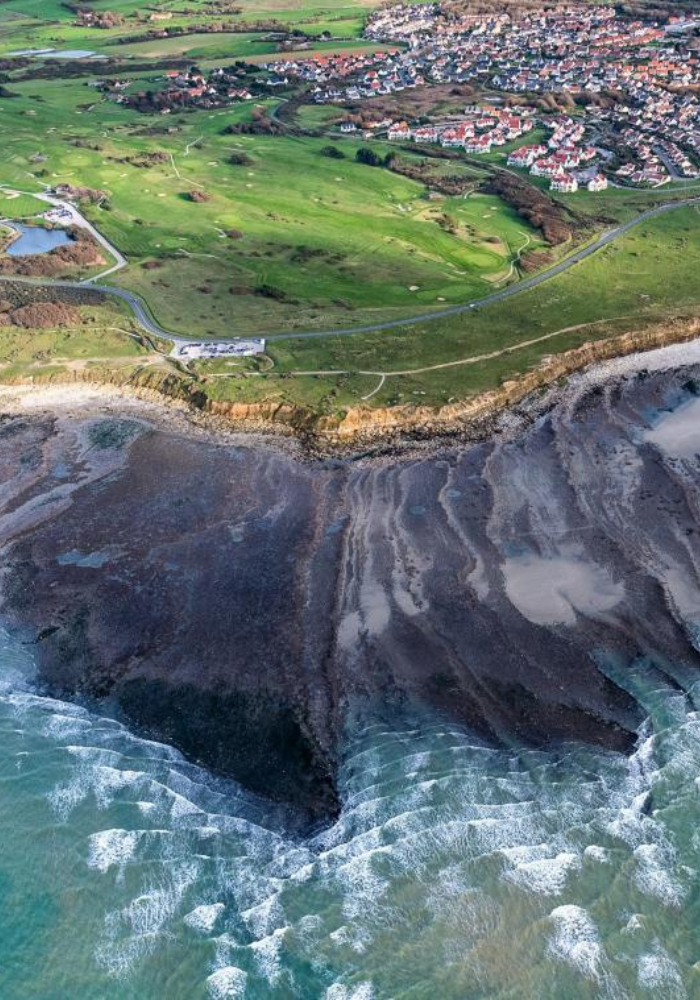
point(454, 868)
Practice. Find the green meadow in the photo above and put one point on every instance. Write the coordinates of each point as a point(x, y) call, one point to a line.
point(648, 276)
point(340, 245)
point(233, 234)
point(14, 205)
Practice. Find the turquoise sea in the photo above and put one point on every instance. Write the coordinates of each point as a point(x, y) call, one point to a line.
point(456, 871)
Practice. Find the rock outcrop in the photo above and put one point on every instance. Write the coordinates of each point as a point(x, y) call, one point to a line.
point(247, 606)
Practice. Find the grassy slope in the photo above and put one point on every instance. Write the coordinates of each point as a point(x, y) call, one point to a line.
point(372, 233)
point(649, 275)
point(103, 335)
point(376, 234)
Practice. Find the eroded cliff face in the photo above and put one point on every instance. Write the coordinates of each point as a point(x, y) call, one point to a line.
point(368, 426)
point(242, 604)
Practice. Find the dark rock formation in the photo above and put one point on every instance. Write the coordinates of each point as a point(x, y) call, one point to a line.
point(239, 603)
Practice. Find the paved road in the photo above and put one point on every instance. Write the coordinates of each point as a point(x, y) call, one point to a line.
point(146, 320)
point(78, 219)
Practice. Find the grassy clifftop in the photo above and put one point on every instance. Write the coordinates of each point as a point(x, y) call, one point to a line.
point(637, 293)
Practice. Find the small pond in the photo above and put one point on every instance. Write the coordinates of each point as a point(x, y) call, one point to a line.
point(57, 53)
point(36, 239)
point(72, 54)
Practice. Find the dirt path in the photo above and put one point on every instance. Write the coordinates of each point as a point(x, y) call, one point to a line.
point(473, 359)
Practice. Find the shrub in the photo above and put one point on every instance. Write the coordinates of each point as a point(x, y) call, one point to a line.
point(368, 157)
point(240, 160)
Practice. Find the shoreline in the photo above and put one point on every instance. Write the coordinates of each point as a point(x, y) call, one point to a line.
point(364, 432)
point(214, 582)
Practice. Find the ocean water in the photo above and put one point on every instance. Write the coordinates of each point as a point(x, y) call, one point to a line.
point(455, 871)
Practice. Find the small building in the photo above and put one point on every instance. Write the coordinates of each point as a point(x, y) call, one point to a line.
point(598, 183)
point(564, 183)
point(399, 132)
point(239, 347)
point(478, 144)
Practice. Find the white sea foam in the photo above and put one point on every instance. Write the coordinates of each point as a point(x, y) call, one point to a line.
point(337, 991)
point(207, 831)
point(112, 847)
point(265, 917)
point(108, 780)
point(267, 955)
point(576, 940)
point(545, 876)
point(362, 883)
point(597, 853)
point(203, 918)
point(653, 874)
point(182, 807)
point(355, 936)
point(134, 931)
point(65, 726)
point(102, 780)
point(227, 983)
point(657, 971)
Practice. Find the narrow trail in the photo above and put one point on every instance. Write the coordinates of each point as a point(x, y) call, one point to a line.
point(473, 359)
point(374, 391)
point(515, 261)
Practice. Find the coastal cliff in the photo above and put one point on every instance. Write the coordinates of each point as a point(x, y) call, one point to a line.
point(248, 607)
point(364, 427)
point(371, 425)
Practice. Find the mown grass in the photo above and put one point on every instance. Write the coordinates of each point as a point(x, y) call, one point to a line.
point(340, 245)
point(19, 206)
point(649, 275)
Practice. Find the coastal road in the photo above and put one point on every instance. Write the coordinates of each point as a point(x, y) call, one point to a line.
point(143, 315)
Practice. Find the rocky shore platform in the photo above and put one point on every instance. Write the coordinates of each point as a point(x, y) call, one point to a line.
point(245, 603)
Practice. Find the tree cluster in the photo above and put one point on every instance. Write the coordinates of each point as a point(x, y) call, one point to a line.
point(533, 205)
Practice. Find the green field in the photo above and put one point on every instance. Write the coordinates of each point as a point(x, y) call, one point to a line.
point(647, 277)
point(342, 244)
point(288, 239)
point(43, 23)
point(14, 205)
